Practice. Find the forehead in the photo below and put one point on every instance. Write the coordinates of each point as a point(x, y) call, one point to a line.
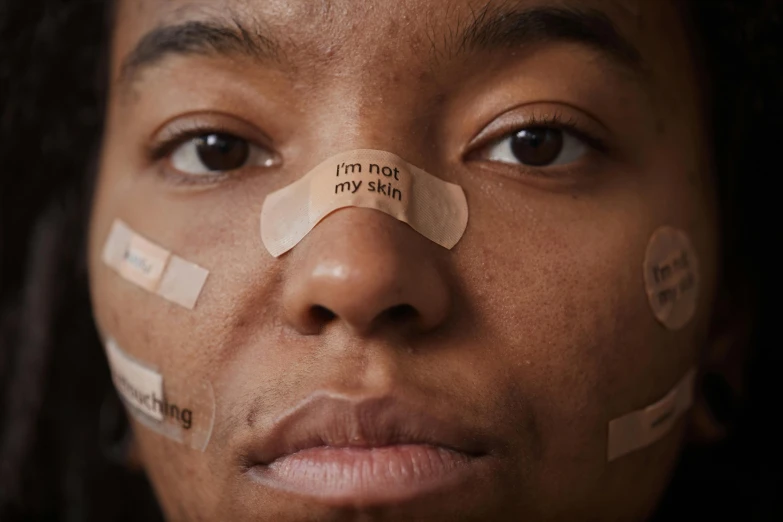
point(374, 41)
point(342, 29)
point(306, 13)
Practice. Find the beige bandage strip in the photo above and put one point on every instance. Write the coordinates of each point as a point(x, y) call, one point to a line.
point(643, 427)
point(364, 178)
point(184, 413)
point(671, 277)
point(152, 267)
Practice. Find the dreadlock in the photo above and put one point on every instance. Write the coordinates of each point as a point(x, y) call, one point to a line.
point(54, 381)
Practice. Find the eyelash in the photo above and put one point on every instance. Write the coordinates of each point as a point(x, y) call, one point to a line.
point(555, 120)
point(179, 135)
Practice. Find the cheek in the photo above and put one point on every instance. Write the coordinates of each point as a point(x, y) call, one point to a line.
point(560, 288)
point(180, 476)
point(179, 343)
point(182, 345)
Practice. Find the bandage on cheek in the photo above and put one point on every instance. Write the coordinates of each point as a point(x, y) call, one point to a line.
point(152, 267)
point(642, 428)
point(671, 277)
point(181, 411)
point(364, 178)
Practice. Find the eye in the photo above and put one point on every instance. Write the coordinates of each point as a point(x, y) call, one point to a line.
point(538, 147)
point(218, 152)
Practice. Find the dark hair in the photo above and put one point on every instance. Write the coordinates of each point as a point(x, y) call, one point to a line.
point(55, 445)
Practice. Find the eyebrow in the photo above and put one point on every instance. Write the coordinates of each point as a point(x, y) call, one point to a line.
point(491, 28)
point(495, 27)
point(198, 38)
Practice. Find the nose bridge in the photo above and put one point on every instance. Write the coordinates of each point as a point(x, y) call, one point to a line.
point(387, 108)
point(362, 268)
point(365, 270)
point(359, 121)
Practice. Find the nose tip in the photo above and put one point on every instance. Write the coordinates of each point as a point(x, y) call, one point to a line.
point(367, 271)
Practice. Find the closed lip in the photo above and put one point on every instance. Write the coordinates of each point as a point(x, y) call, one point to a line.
point(366, 450)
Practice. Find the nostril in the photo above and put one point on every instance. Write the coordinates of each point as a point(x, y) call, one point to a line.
point(402, 313)
point(321, 314)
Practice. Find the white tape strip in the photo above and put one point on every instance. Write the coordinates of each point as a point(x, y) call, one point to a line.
point(152, 267)
point(139, 385)
point(183, 411)
point(643, 427)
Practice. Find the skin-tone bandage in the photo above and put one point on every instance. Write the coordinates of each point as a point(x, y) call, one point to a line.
point(184, 412)
point(671, 277)
point(642, 428)
point(364, 178)
point(152, 267)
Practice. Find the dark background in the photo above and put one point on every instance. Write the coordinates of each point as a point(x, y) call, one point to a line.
point(61, 427)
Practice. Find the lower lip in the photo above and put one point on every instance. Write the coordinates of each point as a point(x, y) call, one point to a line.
point(382, 475)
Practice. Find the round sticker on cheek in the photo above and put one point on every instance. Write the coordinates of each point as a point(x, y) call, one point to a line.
point(671, 277)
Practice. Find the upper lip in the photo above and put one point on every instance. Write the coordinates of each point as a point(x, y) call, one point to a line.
point(324, 420)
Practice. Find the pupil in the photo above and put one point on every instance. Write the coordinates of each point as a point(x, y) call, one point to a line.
point(537, 146)
point(222, 152)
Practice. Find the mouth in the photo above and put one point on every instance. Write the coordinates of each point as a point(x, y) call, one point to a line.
point(366, 452)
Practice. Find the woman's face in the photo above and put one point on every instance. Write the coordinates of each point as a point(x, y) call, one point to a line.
point(418, 382)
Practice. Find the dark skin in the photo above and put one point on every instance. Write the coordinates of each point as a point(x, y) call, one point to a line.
point(535, 327)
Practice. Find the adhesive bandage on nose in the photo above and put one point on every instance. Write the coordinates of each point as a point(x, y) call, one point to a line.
point(184, 412)
point(641, 428)
point(152, 267)
point(671, 277)
point(364, 178)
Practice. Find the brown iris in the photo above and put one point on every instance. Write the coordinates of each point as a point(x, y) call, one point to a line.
point(537, 146)
point(222, 152)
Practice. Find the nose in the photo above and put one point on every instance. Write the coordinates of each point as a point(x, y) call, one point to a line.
point(365, 270)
